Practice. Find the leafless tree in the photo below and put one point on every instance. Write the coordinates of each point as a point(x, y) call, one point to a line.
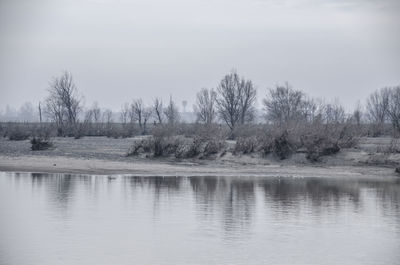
point(228, 99)
point(107, 116)
point(63, 103)
point(171, 112)
point(107, 121)
point(394, 108)
point(357, 114)
point(377, 109)
point(131, 114)
point(247, 101)
point(377, 106)
point(157, 110)
point(235, 100)
point(93, 114)
point(312, 110)
point(124, 113)
point(55, 111)
point(88, 116)
point(40, 113)
point(334, 113)
point(284, 105)
point(147, 114)
point(142, 114)
point(96, 112)
point(205, 105)
point(137, 107)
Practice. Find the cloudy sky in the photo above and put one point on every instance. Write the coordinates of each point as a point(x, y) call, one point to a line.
point(124, 49)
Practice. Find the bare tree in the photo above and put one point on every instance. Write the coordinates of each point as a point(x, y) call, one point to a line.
point(137, 107)
point(107, 116)
point(235, 100)
point(205, 105)
point(334, 113)
point(394, 108)
point(377, 109)
point(157, 110)
point(124, 113)
point(247, 100)
point(142, 114)
point(55, 111)
point(357, 114)
point(88, 116)
point(377, 106)
point(131, 114)
point(228, 99)
point(96, 112)
point(312, 110)
point(147, 114)
point(40, 113)
point(63, 104)
point(93, 114)
point(284, 105)
point(171, 112)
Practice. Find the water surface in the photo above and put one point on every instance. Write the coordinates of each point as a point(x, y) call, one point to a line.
point(83, 219)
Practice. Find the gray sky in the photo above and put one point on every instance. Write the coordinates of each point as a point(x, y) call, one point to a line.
point(120, 50)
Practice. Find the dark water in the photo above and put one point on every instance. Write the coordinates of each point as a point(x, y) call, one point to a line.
point(73, 219)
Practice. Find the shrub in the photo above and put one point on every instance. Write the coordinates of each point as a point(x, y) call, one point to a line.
point(397, 170)
point(79, 131)
point(144, 145)
point(18, 134)
point(200, 146)
point(40, 143)
point(188, 149)
point(318, 146)
point(178, 146)
point(213, 146)
point(245, 145)
point(347, 137)
point(282, 146)
point(265, 144)
point(392, 148)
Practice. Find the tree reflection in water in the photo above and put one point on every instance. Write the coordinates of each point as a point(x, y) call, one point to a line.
point(232, 200)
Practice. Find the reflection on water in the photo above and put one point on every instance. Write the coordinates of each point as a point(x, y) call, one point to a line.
point(83, 219)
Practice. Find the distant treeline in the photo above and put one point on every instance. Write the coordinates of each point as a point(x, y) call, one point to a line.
point(230, 105)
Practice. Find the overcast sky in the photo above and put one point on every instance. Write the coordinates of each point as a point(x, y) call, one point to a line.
point(120, 50)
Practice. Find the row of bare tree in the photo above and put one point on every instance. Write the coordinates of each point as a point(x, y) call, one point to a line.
point(232, 102)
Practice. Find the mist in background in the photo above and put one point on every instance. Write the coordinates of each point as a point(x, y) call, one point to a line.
point(121, 50)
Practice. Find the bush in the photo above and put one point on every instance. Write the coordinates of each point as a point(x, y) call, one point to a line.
point(18, 134)
point(188, 148)
point(213, 146)
point(245, 145)
point(39, 143)
point(397, 170)
point(144, 145)
point(318, 146)
point(347, 137)
point(178, 146)
point(392, 148)
point(200, 146)
point(265, 144)
point(283, 146)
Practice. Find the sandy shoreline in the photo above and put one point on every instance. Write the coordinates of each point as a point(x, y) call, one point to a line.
point(57, 164)
point(104, 156)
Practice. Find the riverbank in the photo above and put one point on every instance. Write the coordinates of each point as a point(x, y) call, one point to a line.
point(100, 155)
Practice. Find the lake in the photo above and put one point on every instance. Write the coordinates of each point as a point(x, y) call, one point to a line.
point(86, 219)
